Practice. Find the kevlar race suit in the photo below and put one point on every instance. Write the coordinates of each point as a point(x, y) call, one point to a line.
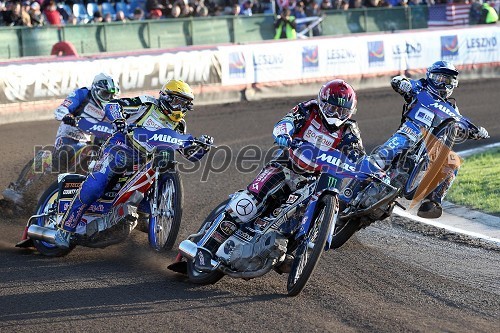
point(401, 140)
point(79, 104)
point(302, 122)
point(121, 153)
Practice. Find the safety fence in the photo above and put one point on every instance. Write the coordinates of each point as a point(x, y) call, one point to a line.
point(16, 42)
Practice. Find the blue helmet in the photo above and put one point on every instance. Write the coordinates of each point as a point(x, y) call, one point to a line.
point(442, 78)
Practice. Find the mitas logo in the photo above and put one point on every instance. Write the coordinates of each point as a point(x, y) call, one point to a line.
point(101, 128)
point(335, 161)
point(165, 138)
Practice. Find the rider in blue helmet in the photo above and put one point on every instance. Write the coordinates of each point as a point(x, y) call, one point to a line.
point(441, 79)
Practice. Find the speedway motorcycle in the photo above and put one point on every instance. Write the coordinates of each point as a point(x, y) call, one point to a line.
point(41, 169)
point(415, 172)
point(152, 192)
point(289, 234)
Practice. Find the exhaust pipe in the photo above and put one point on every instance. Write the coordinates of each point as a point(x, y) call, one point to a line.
point(189, 249)
point(45, 234)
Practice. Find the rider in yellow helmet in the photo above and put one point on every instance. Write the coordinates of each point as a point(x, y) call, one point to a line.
point(121, 152)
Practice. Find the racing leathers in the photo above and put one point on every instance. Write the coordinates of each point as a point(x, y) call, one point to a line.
point(122, 153)
point(281, 175)
point(77, 104)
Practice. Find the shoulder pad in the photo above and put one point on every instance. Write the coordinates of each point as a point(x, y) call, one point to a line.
point(147, 99)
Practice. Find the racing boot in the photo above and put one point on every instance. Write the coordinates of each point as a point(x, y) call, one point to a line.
point(62, 238)
point(10, 194)
point(430, 209)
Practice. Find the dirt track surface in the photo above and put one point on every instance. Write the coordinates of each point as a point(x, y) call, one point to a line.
point(385, 279)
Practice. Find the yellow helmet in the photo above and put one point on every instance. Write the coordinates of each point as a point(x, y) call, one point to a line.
point(176, 98)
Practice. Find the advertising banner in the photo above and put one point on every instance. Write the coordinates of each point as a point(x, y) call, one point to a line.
point(24, 82)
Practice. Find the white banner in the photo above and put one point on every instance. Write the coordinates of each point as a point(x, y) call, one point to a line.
point(360, 55)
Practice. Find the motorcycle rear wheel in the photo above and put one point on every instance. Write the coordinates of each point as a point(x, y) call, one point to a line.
point(195, 275)
point(47, 200)
point(309, 251)
point(163, 229)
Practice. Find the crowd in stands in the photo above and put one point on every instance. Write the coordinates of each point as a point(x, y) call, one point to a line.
point(34, 13)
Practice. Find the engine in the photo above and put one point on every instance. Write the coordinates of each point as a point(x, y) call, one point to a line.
point(253, 256)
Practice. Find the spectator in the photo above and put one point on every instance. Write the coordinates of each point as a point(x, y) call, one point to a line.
point(489, 14)
point(285, 25)
point(266, 7)
point(234, 10)
point(175, 12)
point(300, 13)
point(52, 15)
point(155, 14)
point(475, 12)
point(72, 20)
point(313, 10)
point(120, 16)
point(36, 16)
point(12, 14)
point(25, 15)
point(326, 5)
point(246, 8)
point(153, 4)
point(108, 18)
point(97, 18)
point(357, 4)
point(201, 11)
point(138, 14)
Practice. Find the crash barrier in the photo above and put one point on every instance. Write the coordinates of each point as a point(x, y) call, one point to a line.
point(229, 73)
point(88, 39)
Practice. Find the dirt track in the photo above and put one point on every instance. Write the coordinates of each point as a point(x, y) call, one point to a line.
point(385, 279)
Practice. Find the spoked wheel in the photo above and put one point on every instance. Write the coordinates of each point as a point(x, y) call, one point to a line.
point(422, 178)
point(48, 205)
point(195, 275)
point(312, 246)
point(164, 227)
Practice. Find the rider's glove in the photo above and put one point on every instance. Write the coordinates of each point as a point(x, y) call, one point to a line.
point(69, 119)
point(481, 133)
point(206, 141)
point(404, 86)
point(283, 140)
point(119, 125)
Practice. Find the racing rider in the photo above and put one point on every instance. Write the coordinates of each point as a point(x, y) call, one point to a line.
point(325, 121)
point(441, 79)
point(82, 102)
point(120, 153)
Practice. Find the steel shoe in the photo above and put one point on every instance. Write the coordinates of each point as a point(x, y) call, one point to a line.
point(430, 210)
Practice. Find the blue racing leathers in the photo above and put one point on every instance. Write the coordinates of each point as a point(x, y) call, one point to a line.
point(121, 153)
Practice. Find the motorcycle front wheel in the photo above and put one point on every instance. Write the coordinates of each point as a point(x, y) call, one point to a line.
point(309, 250)
point(195, 275)
point(164, 227)
point(48, 205)
point(423, 175)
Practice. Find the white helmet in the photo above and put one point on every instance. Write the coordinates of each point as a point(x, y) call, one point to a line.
point(104, 88)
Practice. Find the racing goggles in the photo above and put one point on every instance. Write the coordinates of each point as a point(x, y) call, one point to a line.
point(106, 95)
point(446, 80)
point(176, 103)
point(334, 111)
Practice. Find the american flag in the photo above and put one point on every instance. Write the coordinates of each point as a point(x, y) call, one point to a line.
point(448, 15)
